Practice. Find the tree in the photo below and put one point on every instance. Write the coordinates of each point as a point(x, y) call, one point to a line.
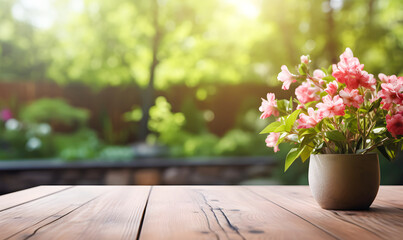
point(21, 53)
point(152, 44)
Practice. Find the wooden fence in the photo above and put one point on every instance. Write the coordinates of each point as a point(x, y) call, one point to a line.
point(110, 103)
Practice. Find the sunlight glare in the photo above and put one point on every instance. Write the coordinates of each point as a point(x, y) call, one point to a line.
point(38, 13)
point(42, 13)
point(245, 7)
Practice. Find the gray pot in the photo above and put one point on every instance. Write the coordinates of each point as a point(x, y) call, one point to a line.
point(344, 181)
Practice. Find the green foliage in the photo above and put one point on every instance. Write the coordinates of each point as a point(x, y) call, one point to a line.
point(165, 123)
point(83, 144)
point(25, 140)
point(54, 111)
point(335, 136)
point(117, 153)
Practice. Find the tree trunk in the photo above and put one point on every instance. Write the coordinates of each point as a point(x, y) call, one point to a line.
point(148, 95)
point(331, 45)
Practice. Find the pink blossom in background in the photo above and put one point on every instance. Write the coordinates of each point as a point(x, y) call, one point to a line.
point(331, 107)
point(310, 120)
point(350, 71)
point(6, 114)
point(269, 106)
point(351, 97)
point(271, 141)
point(307, 92)
point(394, 124)
point(331, 88)
point(304, 59)
point(392, 91)
point(286, 77)
point(390, 79)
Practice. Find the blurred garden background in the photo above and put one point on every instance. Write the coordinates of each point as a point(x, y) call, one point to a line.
point(91, 80)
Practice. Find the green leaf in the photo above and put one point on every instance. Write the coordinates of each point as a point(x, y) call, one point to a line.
point(313, 103)
point(303, 69)
point(280, 128)
point(282, 105)
point(291, 120)
point(305, 153)
point(382, 150)
point(307, 139)
point(281, 138)
point(379, 130)
point(335, 135)
point(291, 156)
point(391, 153)
point(307, 131)
point(330, 70)
point(289, 107)
point(328, 123)
point(322, 94)
point(324, 70)
point(329, 78)
point(375, 105)
point(270, 128)
point(318, 126)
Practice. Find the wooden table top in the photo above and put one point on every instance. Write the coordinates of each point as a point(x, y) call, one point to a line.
point(192, 212)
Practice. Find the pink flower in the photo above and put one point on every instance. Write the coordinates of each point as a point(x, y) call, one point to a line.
point(300, 106)
point(307, 92)
point(6, 114)
point(309, 121)
point(350, 71)
point(351, 97)
point(304, 59)
point(319, 74)
point(269, 106)
point(271, 141)
point(394, 124)
point(374, 97)
point(286, 77)
point(331, 88)
point(331, 107)
point(390, 79)
point(392, 90)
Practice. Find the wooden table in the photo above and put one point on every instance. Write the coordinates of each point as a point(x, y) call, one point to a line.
point(192, 212)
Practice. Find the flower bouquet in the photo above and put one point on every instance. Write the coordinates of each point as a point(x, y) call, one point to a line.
point(341, 114)
point(339, 110)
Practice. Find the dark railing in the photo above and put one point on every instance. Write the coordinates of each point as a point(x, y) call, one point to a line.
point(21, 174)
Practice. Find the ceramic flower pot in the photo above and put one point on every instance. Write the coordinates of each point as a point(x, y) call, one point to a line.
point(344, 181)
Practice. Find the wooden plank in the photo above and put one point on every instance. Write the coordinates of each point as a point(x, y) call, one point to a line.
point(390, 196)
point(46, 210)
point(220, 212)
point(379, 222)
point(115, 215)
point(17, 198)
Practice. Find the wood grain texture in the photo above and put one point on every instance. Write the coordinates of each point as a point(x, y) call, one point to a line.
point(115, 215)
point(192, 212)
point(220, 212)
point(44, 211)
point(21, 197)
point(382, 221)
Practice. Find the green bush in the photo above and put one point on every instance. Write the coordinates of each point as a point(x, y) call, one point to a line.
point(54, 111)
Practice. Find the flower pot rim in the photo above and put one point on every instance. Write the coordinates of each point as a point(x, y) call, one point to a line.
point(347, 154)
